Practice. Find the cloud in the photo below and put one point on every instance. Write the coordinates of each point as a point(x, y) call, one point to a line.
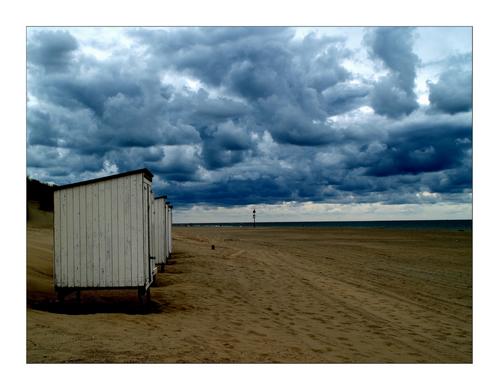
point(293, 124)
point(389, 99)
point(238, 116)
point(221, 108)
point(179, 164)
point(344, 97)
point(85, 91)
point(52, 50)
point(452, 93)
point(41, 129)
point(265, 69)
point(422, 147)
point(231, 137)
point(393, 95)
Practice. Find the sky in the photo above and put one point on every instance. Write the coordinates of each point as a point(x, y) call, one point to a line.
point(303, 124)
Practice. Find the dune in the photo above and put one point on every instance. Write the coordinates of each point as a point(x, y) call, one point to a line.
point(287, 295)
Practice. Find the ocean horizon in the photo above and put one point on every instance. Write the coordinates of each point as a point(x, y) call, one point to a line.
point(450, 224)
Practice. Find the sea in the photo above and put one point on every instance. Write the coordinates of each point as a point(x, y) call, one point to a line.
point(451, 224)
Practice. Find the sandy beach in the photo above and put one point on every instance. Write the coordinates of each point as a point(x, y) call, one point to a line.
point(290, 295)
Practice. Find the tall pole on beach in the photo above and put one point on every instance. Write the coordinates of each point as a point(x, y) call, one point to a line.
point(254, 216)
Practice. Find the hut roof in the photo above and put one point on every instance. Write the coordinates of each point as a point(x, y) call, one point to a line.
point(145, 171)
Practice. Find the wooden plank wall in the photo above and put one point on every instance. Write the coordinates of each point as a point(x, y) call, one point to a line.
point(150, 205)
point(154, 229)
point(159, 230)
point(101, 234)
point(145, 230)
point(167, 216)
point(57, 238)
point(170, 244)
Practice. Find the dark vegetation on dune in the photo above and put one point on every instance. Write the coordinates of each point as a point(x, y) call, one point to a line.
point(40, 194)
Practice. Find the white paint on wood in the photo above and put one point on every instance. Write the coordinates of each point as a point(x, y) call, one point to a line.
point(144, 230)
point(150, 204)
point(133, 227)
point(153, 231)
point(57, 238)
point(170, 221)
point(70, 227)
point(95, 235)
point(64, 240)
point(108, 237)
point(140, 237)
point(128, 246)
point(121, 232)
point(114, 231)
point(147, 229)
point(154, 235)
point(160, 232)
point(167, 236)
point(167, 217)
point(102, 233)
point(89, 211)
point(76, 238)
point(168, 231)
point(83, 237)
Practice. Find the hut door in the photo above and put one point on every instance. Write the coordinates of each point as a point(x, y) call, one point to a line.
point(147, 189)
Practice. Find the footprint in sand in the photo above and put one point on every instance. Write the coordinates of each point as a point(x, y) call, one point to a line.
point(236, 254)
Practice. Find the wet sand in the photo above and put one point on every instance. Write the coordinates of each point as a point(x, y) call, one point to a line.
point(291, 295)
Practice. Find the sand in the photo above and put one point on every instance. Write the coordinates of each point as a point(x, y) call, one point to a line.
point(291, 295)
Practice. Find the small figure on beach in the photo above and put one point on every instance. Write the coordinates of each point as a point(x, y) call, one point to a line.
point(254, 216)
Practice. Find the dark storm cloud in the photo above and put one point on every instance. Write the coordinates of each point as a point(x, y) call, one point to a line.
point(394, 95)
point(52, 50)
point(452, 93)
point(344, 97)
point(221, 108)
point(230, 192)
point(48, 159)
point(217, 54)
point(393, 45)
point(234, 116)
point(425, 147)
point(85, 92)
point(389, 99)
point(292, 123)
point(127, 158)
point(179, 164)
point(215, 157)
point(265, 68)
point(42, 129)
point(230, 137)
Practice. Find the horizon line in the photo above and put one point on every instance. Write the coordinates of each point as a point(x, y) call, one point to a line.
point(374, 220)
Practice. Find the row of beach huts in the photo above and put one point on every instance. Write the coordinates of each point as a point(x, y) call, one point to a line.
point(110, 233)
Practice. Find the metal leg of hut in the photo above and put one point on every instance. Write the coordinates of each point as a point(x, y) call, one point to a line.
point(143, 293)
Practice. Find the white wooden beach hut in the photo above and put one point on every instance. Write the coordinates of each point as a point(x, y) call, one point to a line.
point(169, 227)
point(102, 234)
point(160, 231)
